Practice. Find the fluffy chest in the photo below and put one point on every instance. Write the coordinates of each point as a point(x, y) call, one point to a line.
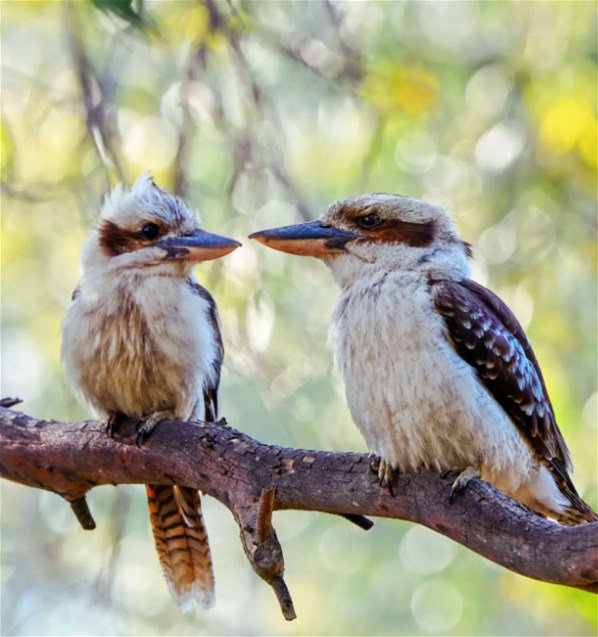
point(387, 337)
point(413, 398)
point(141, 345)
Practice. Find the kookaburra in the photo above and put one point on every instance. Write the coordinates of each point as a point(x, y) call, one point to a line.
point(141, 340)
point(438, 371)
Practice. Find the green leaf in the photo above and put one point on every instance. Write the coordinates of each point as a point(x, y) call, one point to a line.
point(123, 9)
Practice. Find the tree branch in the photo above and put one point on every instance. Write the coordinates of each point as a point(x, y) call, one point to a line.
point(253, 480)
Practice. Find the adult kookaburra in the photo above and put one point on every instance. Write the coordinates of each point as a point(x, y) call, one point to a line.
point(141, 340)
point(438, 371)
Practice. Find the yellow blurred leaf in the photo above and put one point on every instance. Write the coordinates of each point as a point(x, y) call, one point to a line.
point(7, 149)
point(410, 88)
point(569, 123)
point(196, 27)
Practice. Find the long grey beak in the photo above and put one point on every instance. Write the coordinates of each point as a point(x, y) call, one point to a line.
point(306, 239)
point(198, 246)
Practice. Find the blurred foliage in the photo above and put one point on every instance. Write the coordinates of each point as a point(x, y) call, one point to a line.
point(262, 113)
point(123, 9)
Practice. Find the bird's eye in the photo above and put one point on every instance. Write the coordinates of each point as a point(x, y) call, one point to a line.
point(150, 231)
point(369, 221)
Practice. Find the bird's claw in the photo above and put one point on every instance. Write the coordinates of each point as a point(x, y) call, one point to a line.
point(113, 423)
point(373, 466)
point(146, 425)
point(222, 422)
point(382, 472)
point(386, 476)
point(461, 481)
point(142, 435)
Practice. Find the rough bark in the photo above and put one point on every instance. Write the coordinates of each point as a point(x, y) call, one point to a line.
point(254, 479)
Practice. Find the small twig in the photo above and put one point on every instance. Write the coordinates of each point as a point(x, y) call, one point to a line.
point(21, 194)
point(284, 598)
point(262, 546)
point(83, 514)
point(9, 402)
point(360, 520)
point(264, 514)
point(246, 149)
point(100, 133)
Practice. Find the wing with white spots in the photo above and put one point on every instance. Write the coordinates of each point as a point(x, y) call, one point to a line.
point(488, 337)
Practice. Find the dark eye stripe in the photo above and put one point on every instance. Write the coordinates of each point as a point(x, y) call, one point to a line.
point(418, 235)
point(115, 240)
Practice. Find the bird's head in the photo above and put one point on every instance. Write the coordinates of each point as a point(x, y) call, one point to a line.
point(376, 231)
point(149, 230)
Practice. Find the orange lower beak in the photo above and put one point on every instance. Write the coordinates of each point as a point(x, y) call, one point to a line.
point(306, 239)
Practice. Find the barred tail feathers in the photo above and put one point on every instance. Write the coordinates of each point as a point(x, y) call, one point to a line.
point(182, 544)
point(578, 513)
point(575, 511)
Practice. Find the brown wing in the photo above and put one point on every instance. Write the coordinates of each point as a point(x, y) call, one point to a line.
point(487, 335)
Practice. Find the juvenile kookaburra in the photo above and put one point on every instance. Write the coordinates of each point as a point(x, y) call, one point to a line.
point(141, 340)
point(438, 371)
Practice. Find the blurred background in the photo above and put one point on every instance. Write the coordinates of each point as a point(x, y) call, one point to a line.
point(260, 114)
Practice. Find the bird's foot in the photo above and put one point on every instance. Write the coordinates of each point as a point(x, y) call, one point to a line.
point(462, 480)
point(146, 425)
point(222, 422)
point(113, 423)
point(373, 467)
point(383, 472)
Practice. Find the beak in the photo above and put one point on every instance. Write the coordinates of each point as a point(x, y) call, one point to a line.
point(306, 239)
point(198, 246)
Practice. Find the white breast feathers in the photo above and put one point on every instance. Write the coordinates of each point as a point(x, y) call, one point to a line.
point(417, 403)
point(140, 344)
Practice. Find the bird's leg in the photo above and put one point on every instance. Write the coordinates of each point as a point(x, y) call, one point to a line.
point(146, 425)
point(462, 480)
point(114, 422)
point(382, 471)
point(373, 467)
point(386, 475)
